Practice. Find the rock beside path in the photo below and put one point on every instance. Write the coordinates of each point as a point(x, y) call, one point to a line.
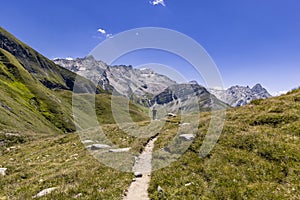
point(119, 150)
point(98, 146)
point(2, 171)
point(138, 174)
point(187, 136)
point(44, 192)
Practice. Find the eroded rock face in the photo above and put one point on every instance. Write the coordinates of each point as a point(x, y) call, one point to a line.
point(187, 97)
point(240, 95)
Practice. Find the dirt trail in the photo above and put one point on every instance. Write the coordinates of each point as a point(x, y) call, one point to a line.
point(138, 188)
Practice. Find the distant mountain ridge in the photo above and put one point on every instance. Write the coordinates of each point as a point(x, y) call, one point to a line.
point(240, 95)
point(123, 79)
point(147, 86)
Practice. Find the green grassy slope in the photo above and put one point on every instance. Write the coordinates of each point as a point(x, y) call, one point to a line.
point(256, 157)
point(36, 94)
point(47, 72)
point(33, 116)
point(25, 103)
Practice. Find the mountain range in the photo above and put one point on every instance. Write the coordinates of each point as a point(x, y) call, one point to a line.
point(145, 85)
point(240, 95)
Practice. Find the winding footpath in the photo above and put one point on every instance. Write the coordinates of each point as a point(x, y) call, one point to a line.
point(142, 170)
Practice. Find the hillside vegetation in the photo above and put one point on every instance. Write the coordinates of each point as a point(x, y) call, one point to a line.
point(38, 145)
point(256, 157)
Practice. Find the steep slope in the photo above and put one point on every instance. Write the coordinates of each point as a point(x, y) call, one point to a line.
point(26, 104)
point(240, 95)
point(36, 94)
point(43, 69)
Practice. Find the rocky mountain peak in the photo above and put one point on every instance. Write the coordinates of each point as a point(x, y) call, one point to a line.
point(241, 95)
point(123, 79)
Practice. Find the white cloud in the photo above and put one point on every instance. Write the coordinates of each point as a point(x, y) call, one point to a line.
point(157, 2)
point(100, 30)
point(103, 32)
point(109, 35)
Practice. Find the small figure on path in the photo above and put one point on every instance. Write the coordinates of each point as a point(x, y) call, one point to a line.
point(154, 111)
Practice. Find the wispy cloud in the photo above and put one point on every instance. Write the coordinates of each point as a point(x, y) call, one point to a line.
point(109, 35)
point(100, 30)
point(157, 2)
point(104, 32)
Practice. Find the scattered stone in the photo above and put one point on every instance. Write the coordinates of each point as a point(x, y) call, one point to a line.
point(87, 141)
point(44, 192)
point(99, 146)
point(12, 134)
point(187, 136)
point(119, 150)
point(101, 189)
point(188, 184)
point(159, 189)
point(171, 115)
point(78, 195)
point(138, 174)
point(185, 124)
point(2, 171)
point(11, 148)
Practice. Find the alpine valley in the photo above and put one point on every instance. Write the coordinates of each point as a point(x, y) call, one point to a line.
point(47, 153)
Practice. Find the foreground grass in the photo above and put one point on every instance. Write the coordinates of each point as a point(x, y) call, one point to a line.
point(256, 157)
point(58, 161)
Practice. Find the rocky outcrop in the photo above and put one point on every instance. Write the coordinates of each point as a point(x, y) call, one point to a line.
point(188, 97)
point(89, 68)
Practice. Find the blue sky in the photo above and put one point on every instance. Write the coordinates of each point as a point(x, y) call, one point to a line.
point(251, 41)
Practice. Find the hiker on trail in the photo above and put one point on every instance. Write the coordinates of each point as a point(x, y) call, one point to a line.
point(154, 111)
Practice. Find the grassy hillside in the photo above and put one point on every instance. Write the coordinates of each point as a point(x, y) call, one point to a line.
point(26, 104)
point(256, 157)
point(33, 117)
point(40, 67)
